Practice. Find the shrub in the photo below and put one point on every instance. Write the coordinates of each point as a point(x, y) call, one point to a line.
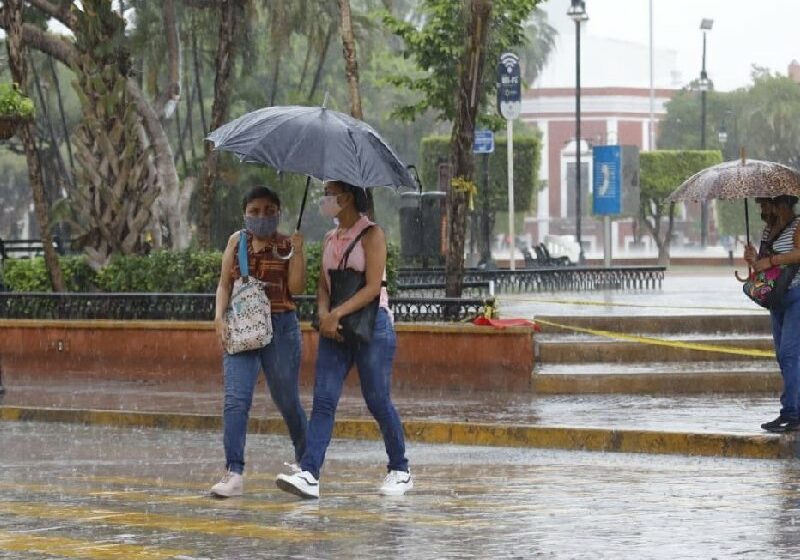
point(160, 271)
point(30, 275)
point(13, 103)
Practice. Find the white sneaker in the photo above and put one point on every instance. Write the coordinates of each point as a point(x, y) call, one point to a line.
point(396, 483)
point(300, 483)
point(293, 467)
point(232, 484)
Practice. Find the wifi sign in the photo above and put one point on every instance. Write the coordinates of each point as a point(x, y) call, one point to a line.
point(509, 86)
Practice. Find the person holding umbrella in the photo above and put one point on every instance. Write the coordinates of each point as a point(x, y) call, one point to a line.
point(776, 188)
point(360, 244)
point(348, 156)
point(278, 261)
point(780, 246)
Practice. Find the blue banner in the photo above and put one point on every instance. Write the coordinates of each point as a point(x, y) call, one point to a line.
point(607, 180)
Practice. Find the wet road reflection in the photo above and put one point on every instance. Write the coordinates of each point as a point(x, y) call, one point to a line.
point(93, 492)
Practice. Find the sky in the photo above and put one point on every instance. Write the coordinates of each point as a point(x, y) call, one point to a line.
point(745, 32)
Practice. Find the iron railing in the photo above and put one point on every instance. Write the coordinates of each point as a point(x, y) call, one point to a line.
point(200, 307)
point(572, 278)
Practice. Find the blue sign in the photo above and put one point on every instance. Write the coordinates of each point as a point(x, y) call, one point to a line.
point(607, 180)
point(484, 142)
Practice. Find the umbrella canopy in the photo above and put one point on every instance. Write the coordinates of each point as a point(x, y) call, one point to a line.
point(742, 178)
point(314, 141)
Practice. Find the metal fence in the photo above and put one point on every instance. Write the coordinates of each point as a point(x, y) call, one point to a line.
point(200, 307)
point(572, 278)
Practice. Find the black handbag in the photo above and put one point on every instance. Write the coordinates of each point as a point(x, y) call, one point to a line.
point(357, 327)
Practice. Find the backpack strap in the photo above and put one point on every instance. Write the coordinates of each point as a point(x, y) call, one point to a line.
point(244, 269)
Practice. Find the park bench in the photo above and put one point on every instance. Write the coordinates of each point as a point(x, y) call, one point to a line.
point(27, 248)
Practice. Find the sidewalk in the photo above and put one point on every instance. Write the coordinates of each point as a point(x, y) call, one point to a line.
point(713, 424)
point(685, 291)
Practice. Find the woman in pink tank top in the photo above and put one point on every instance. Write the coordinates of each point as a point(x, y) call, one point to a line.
point(335, 357)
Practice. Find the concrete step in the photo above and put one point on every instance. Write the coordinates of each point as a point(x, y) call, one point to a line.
point(658, 378)
point(560, 349)
point(663, 324)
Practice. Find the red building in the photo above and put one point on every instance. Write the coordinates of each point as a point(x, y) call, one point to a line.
point(609, 115)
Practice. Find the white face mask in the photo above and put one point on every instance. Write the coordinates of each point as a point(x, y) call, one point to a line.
point(329, 206)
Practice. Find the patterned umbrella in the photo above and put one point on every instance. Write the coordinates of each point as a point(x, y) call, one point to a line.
point(741, 178)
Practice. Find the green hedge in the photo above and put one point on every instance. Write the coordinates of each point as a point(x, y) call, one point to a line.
point(527, 157)
point(160, 271)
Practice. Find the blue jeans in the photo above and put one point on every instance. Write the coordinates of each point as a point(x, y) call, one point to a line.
point(280, 360)
point(374, 362)
point(786, 334)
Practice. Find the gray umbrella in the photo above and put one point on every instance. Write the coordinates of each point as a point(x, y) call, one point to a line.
point(314, 141)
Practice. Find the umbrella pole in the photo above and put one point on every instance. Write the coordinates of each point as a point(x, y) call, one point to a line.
point(299, 222)
point(747, 236)
point(747, 221)
point(303, 204)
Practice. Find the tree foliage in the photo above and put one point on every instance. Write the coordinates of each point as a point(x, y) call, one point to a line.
point(436, 46)
point(661, 172)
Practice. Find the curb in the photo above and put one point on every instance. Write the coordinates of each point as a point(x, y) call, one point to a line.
point(457, 433)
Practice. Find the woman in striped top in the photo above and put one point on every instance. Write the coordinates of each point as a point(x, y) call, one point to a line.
point(780, 245)
point(280, 359)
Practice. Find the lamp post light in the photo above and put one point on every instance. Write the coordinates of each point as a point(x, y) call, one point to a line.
point(577, 11)
point(704, 85)
point(722, 134)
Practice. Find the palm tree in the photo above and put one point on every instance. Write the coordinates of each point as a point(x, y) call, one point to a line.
point(16, 60)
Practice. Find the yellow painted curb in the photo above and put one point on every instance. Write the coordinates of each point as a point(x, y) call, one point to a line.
point(458, 433)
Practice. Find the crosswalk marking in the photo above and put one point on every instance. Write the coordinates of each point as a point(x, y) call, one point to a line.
point(76, 548)
point(221, 527)
point(123, 497)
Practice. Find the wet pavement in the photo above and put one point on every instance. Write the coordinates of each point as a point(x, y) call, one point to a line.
point(709, 413)
point(92, 492)
point(685, 291)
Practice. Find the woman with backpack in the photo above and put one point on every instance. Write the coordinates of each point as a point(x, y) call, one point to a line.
point(278, 261)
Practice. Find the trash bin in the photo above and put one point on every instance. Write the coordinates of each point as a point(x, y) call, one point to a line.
point(410, 225)
point(433, 210)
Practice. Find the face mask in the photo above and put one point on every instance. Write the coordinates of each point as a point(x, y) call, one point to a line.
point(261, 226)
point(329, 206)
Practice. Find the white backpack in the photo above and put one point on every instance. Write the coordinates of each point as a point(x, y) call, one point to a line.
point(248, 319)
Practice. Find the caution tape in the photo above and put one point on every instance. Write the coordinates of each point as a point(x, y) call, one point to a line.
point(753, 352)
point(620, 304)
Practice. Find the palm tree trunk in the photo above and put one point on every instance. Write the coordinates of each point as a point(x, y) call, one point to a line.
point(326, 43)
point(219, 110)
point(16, 61)
point(351, 74)
point(198, 80)
point(350, 59)
point(62, 114)
point(461, 158)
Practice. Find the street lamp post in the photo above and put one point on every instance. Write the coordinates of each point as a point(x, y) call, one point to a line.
point(577, 11)
point(704, 84)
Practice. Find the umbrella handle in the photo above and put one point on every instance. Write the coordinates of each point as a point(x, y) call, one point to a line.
point(739, 278)
point(281, 257)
